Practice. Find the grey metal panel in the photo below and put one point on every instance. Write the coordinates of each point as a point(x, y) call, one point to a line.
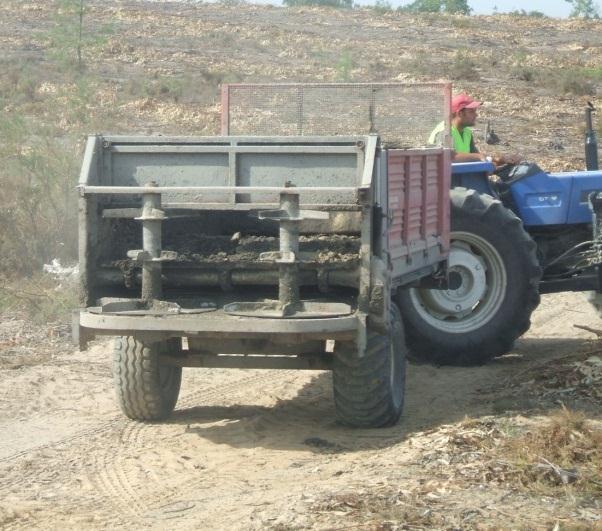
point(88, 222)
point(172, 169)
point(227, 140)
point(89, 170)
point(219, 322)
point(162, 190)
point(178, 149)
point(368, 167)
point(311, 170)
point(223, 161)
point(190, 209)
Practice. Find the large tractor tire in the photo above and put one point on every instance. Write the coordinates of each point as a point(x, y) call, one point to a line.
point(497, 263)
point(146, 389)
point(369, 391)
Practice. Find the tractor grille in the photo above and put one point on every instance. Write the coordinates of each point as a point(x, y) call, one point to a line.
point(402, 114)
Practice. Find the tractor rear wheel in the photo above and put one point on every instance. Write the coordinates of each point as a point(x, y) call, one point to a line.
point(497, 263)
point(369, 391)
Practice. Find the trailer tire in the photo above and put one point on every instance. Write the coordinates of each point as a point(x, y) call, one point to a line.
point(369, 391)
point(146, 389)
point(500, 273)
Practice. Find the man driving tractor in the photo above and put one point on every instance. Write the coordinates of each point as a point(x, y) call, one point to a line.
point(464, 116)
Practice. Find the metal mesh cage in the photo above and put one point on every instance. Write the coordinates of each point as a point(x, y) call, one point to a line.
point(403, 114)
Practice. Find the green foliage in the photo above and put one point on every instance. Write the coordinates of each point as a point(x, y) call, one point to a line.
point(523, 73)
point(232, 3)
point(162, 88)
point(201, 87)
point(423, 6)
point(594, 73)
point(464, 68)
point(70, 39)
point(576, 81)
point(344, 67)
point(460, 7)
point(523, 13)
point(37, 195)
point(383, 6)
point(573, 81)
point(584, 9)
point(519, 69)
point(462, 22)
point(20, 81)
point(345, 4)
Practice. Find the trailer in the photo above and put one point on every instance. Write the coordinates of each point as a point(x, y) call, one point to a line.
point(259, 251)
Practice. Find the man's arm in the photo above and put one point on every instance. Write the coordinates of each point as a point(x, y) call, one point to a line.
point(469, 157)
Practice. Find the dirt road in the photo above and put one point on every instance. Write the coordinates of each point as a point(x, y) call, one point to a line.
point(257, 449)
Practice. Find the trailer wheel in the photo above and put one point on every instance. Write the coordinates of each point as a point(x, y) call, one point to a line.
point(146, 389)
point(369, 391)
point(497, 263)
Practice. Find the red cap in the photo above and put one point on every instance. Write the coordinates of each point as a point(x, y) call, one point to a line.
point(463, 101)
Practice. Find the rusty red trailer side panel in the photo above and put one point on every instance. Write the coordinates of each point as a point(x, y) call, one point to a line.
point(418, 184)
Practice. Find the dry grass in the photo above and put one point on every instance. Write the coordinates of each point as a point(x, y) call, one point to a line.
point(559, 458)
point(40, 298)
point(561, 455)
point(382, 510)
point(564, 453)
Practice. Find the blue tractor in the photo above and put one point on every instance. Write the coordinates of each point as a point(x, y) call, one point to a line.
point(514, 237)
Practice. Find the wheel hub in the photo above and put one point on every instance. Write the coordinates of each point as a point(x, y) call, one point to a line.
point(460, 301)
point(479, 279)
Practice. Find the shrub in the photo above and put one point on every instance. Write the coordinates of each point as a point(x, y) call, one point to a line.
point(584, 9)
point(438, 6)
point(37, 196)
point(464, 68)
point(523, 73)
point(344, 67)
point(523, 13)
point(70, 38)
point(382, 7)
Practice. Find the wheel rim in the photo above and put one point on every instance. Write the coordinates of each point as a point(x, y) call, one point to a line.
point(480, 295)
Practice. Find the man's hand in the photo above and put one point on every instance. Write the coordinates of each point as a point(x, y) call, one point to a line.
point(501, 160)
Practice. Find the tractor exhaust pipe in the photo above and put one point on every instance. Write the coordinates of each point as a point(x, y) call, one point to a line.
point(591, 142)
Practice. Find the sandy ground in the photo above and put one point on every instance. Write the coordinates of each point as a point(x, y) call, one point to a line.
point(255, 449)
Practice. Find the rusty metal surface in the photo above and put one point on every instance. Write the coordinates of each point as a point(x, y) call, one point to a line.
point(418, 184)
point(402, 114)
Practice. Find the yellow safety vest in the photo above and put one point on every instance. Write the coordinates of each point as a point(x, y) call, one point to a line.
point(461, 142)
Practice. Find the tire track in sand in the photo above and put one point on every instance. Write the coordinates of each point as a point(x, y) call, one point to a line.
point(116, 463)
